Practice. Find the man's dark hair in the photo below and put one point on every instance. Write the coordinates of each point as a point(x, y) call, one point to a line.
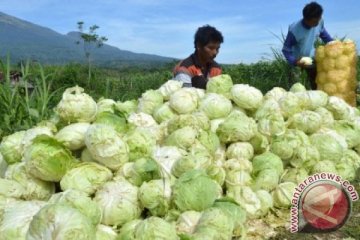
point(206, 34)
point(312, 10)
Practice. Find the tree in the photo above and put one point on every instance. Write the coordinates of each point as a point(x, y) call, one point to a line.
point(90, 40)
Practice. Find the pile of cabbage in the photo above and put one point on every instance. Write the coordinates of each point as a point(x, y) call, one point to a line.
point(177, 163)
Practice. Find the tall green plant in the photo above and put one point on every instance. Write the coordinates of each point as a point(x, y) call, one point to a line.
point(11, 103)
point(89, 40)
point(22, 107)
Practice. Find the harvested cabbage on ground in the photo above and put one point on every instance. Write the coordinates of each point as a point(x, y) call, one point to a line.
point(177, 163)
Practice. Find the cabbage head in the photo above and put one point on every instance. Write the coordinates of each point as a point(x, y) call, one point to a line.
point(216, 173)
point(86, 156)
point(165, 157)
point(149, 101)
point(183, 101)
point(118, 200)
point(220, 84)
point(169, 87)
point(11, 189)
point(17, 217)
point(236, 213)
point(246, 198)
point(155, 228)
point(275, 93)
point(307, 121)
point(240, 150)
point(106, 146)
point(260, 143)
point(327, 119)
point(295, 175)
point(324, 166)
point(283, 194)
point(313, 99)
point(105, 105)
point(209, 140)
point(215, 106)
point(142, 170)
point(266, 179)
point(141, 143)
point(246, 96)
point(73, 135)
point(163, 113)
point(339, 108)
point(197, 158)
point(236, 127)
point(237, 177)
point(47, 159)
point(194, 190)
point(62, 221)
point(197, 120)
point(35, 188)
point(305, 156)
point(11, 148)
point(272, 125)
point(126, 108)
point(141, 120)
point(266, 201)
point(79, 201)
point(183, 138)
point(187, 222)
point(113, 120)
point(352, 157)
point(349, 130)
point(76, 106)
point(104, 232)
point(285, 145)
point(267, 160)
point(297, 87)
point(328, 146)
point(346, 170)
point(127, 231)
point(32, 133)
point(290, 104)
point(86, 177)
point(155, 195)
point(214, 220)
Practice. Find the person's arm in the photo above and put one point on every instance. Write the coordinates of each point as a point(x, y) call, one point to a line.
point(289, 42)
point(325, 36)
point(184, 78)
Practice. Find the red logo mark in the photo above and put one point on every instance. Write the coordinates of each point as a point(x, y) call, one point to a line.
point(326, 206)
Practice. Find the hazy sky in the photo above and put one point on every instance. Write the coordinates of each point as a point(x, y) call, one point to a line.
point(167, 27)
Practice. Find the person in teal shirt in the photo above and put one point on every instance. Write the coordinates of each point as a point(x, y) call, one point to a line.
point(301, 37)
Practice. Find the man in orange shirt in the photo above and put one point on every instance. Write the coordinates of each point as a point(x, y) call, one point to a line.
point(195, 70)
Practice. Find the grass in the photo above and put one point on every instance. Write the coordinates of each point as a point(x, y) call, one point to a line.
point(20, 106)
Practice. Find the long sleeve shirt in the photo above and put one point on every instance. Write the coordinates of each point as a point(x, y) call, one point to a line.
point(192, 74)
point(300, 40)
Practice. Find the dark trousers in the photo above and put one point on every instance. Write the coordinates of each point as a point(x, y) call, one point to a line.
point(295, 76)
point(311, 77)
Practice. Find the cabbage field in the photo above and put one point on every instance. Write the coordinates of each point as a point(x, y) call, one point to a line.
point(179, 163)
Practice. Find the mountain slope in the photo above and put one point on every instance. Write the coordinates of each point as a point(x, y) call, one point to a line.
point(24, 40)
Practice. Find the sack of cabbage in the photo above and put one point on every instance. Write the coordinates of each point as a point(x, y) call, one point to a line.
point(177, 163)
point(337, 69)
